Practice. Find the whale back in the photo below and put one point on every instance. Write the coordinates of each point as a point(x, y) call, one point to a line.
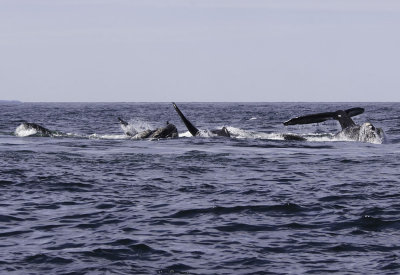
point(40, 129)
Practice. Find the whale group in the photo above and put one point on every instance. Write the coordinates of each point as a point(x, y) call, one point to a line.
point(365, 132)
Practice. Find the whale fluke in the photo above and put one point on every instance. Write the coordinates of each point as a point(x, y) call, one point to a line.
point(192, 129)
point(354, 111)
point(344, 117)
point(365, 132)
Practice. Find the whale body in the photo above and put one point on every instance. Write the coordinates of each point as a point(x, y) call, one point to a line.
point(33, 129)
point(365, 132)
point(196, 132)
point(169, 131)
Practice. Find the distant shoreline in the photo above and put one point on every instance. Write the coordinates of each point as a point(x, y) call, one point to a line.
point(10, 101)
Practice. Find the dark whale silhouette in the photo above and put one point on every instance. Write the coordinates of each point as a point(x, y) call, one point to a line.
point(196, 132)
point(168, 131)
point(40, 130)
point(224, 131)
point(365, 132)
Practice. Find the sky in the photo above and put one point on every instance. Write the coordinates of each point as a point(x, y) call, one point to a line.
point(200, 50)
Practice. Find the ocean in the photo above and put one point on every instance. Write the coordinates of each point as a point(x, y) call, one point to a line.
point(92, 200)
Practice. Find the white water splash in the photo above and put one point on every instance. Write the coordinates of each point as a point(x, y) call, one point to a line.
point(320, 137)
point(201, 133)
point(370, 134)
point(245, 134)
point(185, 134)
point(362, 133)
point(113, 137)
point(23, 131)
point(206, 133)
point(136, 126)
point(72, 135)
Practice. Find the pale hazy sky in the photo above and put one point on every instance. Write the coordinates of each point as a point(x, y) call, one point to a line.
point(200, 50)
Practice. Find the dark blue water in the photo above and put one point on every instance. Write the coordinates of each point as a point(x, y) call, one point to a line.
point(96, 202)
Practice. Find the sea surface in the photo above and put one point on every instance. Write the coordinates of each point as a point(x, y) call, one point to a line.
point(94, 201)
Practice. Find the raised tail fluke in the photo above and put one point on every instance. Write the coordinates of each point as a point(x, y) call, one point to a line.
point(308, 119)
point(192, 129)
point(344, 117)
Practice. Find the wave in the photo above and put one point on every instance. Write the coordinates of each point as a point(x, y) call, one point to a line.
point(287, 208)
point(42, 258)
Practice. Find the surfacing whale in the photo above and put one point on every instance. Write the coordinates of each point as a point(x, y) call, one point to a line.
point(196, 132)
point(224, 132)
point(168, 131)
point(365, 132)
point(33, 129)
